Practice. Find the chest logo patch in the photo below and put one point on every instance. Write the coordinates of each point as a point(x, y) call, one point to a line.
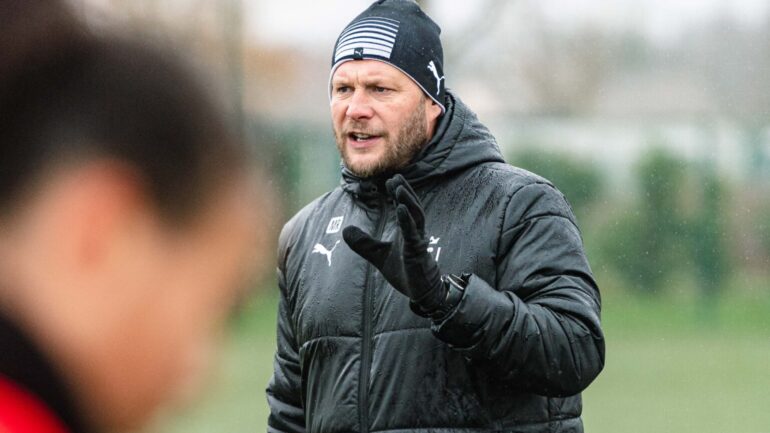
point(335, 224)
point(433, 246)
point(320, 249)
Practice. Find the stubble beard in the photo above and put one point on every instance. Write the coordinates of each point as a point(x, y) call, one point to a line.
point(398, 151)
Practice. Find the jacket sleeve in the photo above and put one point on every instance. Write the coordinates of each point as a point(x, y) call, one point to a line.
point(538, 325)
point(287, 414)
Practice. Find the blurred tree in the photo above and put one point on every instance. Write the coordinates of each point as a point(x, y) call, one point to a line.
point(761, 226)
point(647, 243)
point(580, 182)
point(709, 247)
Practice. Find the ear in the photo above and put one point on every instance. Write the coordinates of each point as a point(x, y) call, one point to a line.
point(89, 212)
point(432, 113)
point(433, 110)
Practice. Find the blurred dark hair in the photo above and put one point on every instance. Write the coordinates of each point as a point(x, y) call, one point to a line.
point(69, 95)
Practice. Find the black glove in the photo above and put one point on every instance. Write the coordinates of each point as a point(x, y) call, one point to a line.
point(405, 261)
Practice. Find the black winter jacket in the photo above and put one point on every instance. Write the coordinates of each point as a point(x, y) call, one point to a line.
point(514, 354)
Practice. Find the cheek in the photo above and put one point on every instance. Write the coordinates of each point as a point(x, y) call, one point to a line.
point(177, 329)
point(151, 361)
point(175, 337)
point(338, 110)
point(198, 299)
point(202, 288)
point(395, 116)
point(191, 318)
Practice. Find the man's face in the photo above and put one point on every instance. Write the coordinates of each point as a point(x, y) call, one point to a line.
point(381, 117)
point(130, 305)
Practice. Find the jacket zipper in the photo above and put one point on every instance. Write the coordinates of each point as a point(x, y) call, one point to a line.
point(366, 344)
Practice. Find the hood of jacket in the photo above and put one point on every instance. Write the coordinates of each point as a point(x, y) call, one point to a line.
point(460, 142)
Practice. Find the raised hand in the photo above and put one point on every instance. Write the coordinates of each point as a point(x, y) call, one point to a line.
point(404, 261)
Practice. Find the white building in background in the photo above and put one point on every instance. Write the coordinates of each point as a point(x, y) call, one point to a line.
point(615, 145)
point(631, 116)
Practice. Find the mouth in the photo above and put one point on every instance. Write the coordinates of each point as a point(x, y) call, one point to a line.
point(362, 140)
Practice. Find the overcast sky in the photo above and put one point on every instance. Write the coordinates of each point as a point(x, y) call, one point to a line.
point(310, 23)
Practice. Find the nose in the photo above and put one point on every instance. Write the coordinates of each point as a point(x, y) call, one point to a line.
point(359, 106)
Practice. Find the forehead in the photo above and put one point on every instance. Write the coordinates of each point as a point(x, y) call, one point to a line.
point(368, 70)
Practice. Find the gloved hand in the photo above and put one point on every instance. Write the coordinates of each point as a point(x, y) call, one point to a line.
point(404, 261)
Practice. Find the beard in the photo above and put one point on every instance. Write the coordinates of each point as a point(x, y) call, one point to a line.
point(398, 149)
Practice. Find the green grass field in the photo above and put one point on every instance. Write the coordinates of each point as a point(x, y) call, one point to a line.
point(667, 370)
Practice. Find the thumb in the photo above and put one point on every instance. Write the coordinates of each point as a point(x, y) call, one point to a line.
point(373, 250)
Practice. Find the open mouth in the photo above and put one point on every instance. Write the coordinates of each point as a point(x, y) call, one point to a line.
point(361, 137)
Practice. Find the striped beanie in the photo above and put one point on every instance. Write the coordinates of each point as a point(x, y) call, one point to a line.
point(398, 33)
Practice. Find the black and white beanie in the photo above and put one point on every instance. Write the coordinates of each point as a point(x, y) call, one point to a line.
point(398, 33)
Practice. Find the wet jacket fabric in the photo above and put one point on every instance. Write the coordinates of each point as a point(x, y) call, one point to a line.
point(33, 397)
point(512, 356)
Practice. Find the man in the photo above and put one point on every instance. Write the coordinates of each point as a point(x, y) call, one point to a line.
point(127, 225)
point(438, 288)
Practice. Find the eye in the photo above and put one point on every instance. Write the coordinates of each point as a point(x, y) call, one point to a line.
point(341, 89)
point(379, 89)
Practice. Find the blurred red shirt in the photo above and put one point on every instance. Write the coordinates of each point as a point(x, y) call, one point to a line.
point(22, 412)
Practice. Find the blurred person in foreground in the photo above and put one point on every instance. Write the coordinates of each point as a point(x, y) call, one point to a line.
point(127, 225)
point(438, 288)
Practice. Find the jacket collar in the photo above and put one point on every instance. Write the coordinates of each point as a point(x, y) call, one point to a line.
point(460, 142)
point(24, 366)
